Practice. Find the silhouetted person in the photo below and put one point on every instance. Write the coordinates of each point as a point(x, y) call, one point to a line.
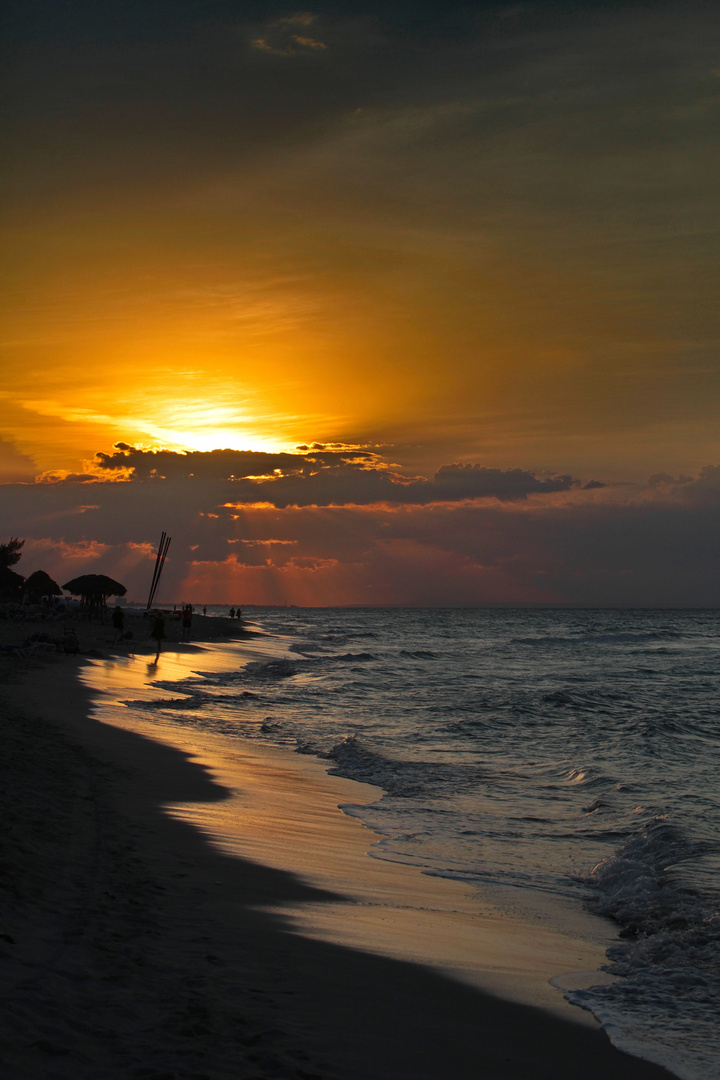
point(232, 612)
point(158, 632)
point(204, 611)
point(186, 622)
point(238, 613)
point(118, 621)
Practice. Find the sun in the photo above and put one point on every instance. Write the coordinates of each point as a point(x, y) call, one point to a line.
point(222, 422)
point(224, 416)
point(216, 439)
point(213, 431)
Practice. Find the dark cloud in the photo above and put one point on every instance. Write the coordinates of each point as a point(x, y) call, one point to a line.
point(476, 482)
point(51, 477)
point(647, 546)
point(324, 477)
point(224, 464)
point(138, 95)
point(704, 488)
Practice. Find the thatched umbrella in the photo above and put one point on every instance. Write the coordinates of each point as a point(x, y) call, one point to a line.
point(41, 584)
point(10, 583)
point(93, 590)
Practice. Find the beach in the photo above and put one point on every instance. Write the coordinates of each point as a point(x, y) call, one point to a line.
point(134, 946)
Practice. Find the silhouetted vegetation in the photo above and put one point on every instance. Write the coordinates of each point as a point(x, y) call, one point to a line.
point(10, 553)
point(93, 589)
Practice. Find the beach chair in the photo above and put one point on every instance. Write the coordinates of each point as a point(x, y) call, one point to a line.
point(40, 643)
point(21, 653)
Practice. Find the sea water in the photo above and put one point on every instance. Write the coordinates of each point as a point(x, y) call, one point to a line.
point(549, 758)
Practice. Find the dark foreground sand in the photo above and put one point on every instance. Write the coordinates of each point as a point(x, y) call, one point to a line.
point(130, 947)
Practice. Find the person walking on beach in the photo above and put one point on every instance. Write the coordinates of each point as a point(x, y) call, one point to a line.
point(158, 632)
point(232, 612)
point(186, 622)
point(118, 621)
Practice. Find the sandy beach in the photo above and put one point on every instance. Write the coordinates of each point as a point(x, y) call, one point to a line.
point(131, 946)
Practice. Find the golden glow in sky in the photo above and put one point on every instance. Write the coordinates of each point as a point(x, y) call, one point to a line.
point(517, 268)
point(479, 236)
point(191, 424)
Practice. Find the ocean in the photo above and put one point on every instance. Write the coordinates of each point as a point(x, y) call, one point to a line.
point(550, 759)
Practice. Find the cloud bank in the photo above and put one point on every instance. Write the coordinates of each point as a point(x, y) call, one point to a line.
point(323, 476)
point(339, 525)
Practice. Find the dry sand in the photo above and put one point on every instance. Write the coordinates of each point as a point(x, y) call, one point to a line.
point(132, 947)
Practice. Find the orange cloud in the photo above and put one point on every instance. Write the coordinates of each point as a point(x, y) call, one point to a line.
point(308, 42)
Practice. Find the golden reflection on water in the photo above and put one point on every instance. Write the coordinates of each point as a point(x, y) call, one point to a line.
point(119, 675)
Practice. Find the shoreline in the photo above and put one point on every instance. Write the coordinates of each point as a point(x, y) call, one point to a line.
point(287, 810)
point(167, 942)
point(97, 638)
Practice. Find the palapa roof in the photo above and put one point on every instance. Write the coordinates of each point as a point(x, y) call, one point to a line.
point(94, 585)
point(10, 582)
point(41, 584)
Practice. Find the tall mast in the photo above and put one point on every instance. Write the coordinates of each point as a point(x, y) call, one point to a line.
point(159, 563)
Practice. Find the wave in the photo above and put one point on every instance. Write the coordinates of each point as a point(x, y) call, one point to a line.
point(399, 778)
point(193, 702)
point(609, 637)
point(356, 761)
point(350, 658)
point(622, 636)
point(144, 705)
point(269, 670)
point(563, 697)
point(282, 668)
point(547, 640)
point(583, 777)
point(669, 945)
point(635, 887)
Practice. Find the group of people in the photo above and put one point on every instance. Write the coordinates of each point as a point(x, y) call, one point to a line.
point(235, 613)
point(158, 628)
point(186, 615)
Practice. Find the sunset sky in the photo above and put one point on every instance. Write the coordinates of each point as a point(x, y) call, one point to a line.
point(440, 279)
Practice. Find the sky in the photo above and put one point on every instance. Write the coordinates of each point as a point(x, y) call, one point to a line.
point(399, 303)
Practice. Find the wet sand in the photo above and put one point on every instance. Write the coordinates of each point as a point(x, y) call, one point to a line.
point(131, 946)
